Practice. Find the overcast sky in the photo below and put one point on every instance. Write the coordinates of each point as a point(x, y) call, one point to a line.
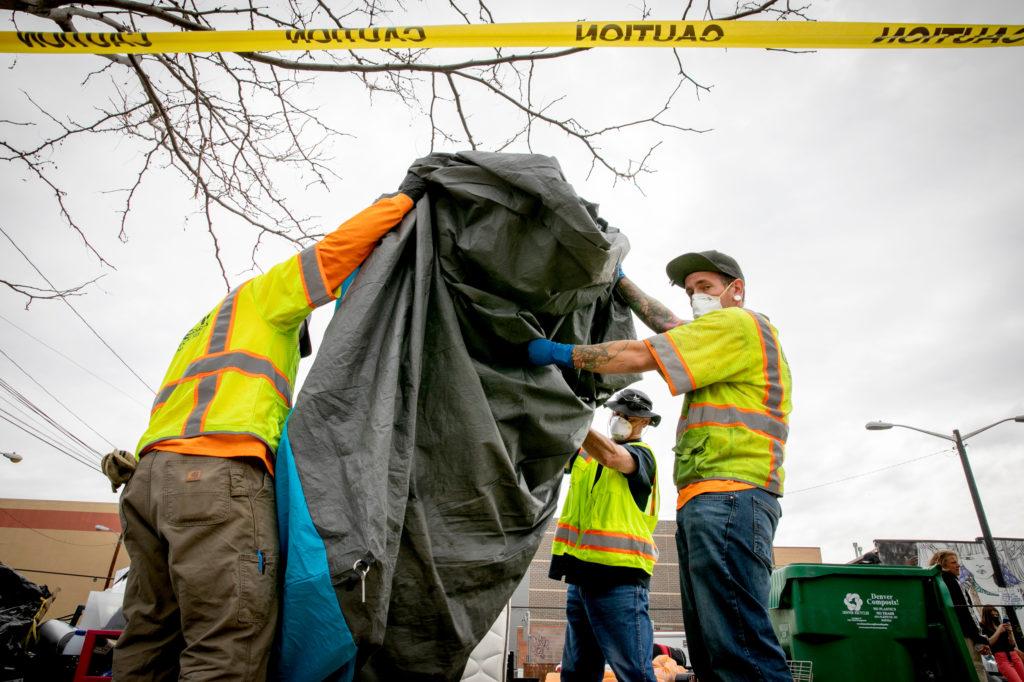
point(873, 198)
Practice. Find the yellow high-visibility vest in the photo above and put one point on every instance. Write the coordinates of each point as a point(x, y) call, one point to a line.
point(234, 371)
point(601, 523)
point(735, 419)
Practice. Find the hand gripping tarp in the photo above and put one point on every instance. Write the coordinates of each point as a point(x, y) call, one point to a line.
point(422, 447)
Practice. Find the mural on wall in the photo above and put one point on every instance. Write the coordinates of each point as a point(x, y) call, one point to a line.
point(976, 576)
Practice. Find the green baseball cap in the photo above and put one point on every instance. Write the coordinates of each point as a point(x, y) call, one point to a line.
point(680, 267)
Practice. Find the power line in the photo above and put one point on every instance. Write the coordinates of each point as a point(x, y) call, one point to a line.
point(77, 314)
point(27, 415)
point(58, 400)
point(868, 473)
point(21, 398)
point(30, 419)
point(75, 363)
point(55, 446)
point(58, 442)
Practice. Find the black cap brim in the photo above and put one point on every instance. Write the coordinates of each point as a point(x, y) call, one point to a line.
point(681, 267)
point(705, 261)
point(622, 408)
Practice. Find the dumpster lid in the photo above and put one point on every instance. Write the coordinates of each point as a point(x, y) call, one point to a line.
point(782, 577)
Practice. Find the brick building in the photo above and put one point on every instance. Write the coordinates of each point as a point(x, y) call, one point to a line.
point(57, 544)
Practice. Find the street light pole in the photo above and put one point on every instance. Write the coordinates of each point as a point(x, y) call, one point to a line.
point(986, 533)
point(113, 559)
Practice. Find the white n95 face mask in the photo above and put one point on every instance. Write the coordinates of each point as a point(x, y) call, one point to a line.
point(703, 304)
point(619, 428)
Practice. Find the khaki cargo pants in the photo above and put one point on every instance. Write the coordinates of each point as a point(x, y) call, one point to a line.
point(201, 597)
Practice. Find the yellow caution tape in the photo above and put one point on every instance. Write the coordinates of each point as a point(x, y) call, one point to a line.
point(760, 34)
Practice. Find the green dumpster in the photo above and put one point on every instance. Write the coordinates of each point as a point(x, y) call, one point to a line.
point(857, 623)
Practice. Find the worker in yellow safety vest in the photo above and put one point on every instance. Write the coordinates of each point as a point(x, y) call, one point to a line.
point(198, 512)
point(604, 548)
point(729, 454)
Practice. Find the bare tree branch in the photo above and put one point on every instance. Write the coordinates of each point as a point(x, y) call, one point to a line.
point(234, 125)
point(458, 107)
point(32, 293)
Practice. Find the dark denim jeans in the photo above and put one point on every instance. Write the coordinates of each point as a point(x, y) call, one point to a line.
point(613, 624)
point(725, 562)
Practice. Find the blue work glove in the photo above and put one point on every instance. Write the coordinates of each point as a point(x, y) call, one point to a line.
point(544, 352)
point(619, 274)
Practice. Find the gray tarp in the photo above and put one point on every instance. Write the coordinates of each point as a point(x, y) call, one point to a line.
point(423, 442)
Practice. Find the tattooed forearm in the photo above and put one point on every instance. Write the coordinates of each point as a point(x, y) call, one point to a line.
point(594, 358)
point(650, 311)
point(614, 357)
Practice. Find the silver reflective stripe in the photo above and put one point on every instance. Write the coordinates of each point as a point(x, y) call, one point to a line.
point(235, 360)
point(244, 363)
point(164, 395)
point(222, 325)
point(614, 542)
point(773, 369)
point(774, 482)
point(205, 390)
point(700, 414)
point(566, 535)
point(677, 374)
point(313, 278)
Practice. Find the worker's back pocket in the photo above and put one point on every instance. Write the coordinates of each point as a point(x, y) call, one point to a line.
point(197, 490)
point(766, 520)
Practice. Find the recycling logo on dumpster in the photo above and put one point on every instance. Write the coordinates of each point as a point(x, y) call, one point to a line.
point(875, 611)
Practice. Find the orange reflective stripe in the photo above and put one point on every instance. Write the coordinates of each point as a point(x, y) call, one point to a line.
point(774, 393)
point(605, 541)
point(250, 364)
point(774, 482)
point(222, 324)
point(671, 361)
point(567, 535)
point(619, 543)
point(772, 367)
point(206, 389)
point(707, 413)
point(661, 367)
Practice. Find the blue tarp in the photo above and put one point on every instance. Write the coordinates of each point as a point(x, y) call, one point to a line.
point(314, 641)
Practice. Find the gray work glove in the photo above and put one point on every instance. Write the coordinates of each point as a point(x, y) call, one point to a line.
point(413, 187)
point(118, 466)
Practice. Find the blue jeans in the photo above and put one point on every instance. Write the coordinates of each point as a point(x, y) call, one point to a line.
point(725, 561)
point(611, 624)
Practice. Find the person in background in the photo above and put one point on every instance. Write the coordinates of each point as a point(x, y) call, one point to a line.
point(198, 512)
point(604, 547)
point(730, 449)
point(1003, 645)
point(977, 643)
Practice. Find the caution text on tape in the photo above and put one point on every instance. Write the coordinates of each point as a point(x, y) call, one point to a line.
point(752, 34)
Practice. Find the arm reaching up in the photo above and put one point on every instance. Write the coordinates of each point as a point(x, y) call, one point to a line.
point(651, 311)
point(608, 452)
